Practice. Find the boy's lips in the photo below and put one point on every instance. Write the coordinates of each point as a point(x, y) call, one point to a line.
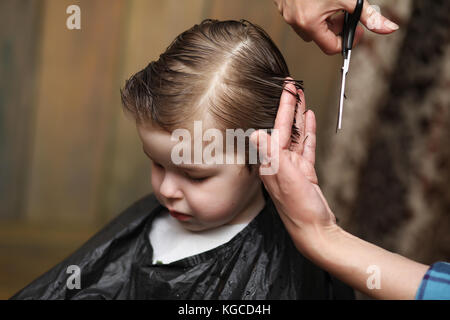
point(179, 215)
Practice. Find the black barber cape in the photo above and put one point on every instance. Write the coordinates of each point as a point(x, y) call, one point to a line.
point(260, 262)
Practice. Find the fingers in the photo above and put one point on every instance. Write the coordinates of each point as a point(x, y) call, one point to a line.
point(377, 23)
point(311, 22)
point(304, 35)
point(268, 153)
point(327, 35)
point(285, 116)
point(336, 24)
point(327, 40)
point(309, 149)
point(371, 18)
point(263, 144)
point(358, 35)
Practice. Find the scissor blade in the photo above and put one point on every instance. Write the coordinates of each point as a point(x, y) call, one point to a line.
point(341, 100)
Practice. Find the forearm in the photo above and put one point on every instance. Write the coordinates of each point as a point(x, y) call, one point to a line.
point(348, 258)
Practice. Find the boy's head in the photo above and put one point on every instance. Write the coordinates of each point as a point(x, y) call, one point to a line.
point(228, 75)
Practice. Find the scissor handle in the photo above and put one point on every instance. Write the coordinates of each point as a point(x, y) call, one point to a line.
point(350, 23)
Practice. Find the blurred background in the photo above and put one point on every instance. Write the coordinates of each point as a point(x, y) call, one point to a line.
point(70, 161)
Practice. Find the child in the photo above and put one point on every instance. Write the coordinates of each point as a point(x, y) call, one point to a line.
point(209, 231)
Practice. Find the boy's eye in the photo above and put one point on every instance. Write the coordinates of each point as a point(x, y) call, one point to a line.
point(198, 179)
point(194, 179)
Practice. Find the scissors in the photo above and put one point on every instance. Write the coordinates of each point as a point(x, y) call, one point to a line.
point(348, 34)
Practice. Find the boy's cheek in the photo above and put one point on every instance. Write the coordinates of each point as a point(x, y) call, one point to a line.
point(214, 210)
point(155, 182)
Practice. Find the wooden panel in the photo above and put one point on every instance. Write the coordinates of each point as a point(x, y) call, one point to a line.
point(77, 76)
point(262, 13)
point(19, 37)
point(28, 250)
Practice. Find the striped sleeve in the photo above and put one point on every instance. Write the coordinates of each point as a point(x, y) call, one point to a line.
point(435, 284)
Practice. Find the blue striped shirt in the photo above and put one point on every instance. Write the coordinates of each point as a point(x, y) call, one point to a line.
point(435, 284)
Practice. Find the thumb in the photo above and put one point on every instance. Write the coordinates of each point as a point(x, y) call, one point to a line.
point(262, 143)
point(371, 17)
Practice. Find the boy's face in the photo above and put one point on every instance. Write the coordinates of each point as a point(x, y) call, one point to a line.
point(207, 196)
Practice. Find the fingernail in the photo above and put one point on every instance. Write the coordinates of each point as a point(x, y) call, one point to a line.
point(391, 25)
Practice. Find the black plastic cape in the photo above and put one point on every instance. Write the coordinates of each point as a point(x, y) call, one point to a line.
point(260, 262)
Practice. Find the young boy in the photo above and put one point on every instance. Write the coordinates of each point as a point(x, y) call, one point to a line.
point(209, 230)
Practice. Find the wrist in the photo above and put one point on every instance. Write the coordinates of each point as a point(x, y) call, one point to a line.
point(316, 242)
point(337, 252)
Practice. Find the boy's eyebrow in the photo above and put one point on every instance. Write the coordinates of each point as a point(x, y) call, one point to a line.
point(189, 167)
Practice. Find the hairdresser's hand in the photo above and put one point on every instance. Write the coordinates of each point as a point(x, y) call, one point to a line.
point(310, 222)
point(315, 20)
point(294, 187)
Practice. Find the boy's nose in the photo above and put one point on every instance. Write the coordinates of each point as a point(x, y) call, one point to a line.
point(169, 187)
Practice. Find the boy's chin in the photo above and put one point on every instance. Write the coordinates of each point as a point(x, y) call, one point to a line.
point(196, 227)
